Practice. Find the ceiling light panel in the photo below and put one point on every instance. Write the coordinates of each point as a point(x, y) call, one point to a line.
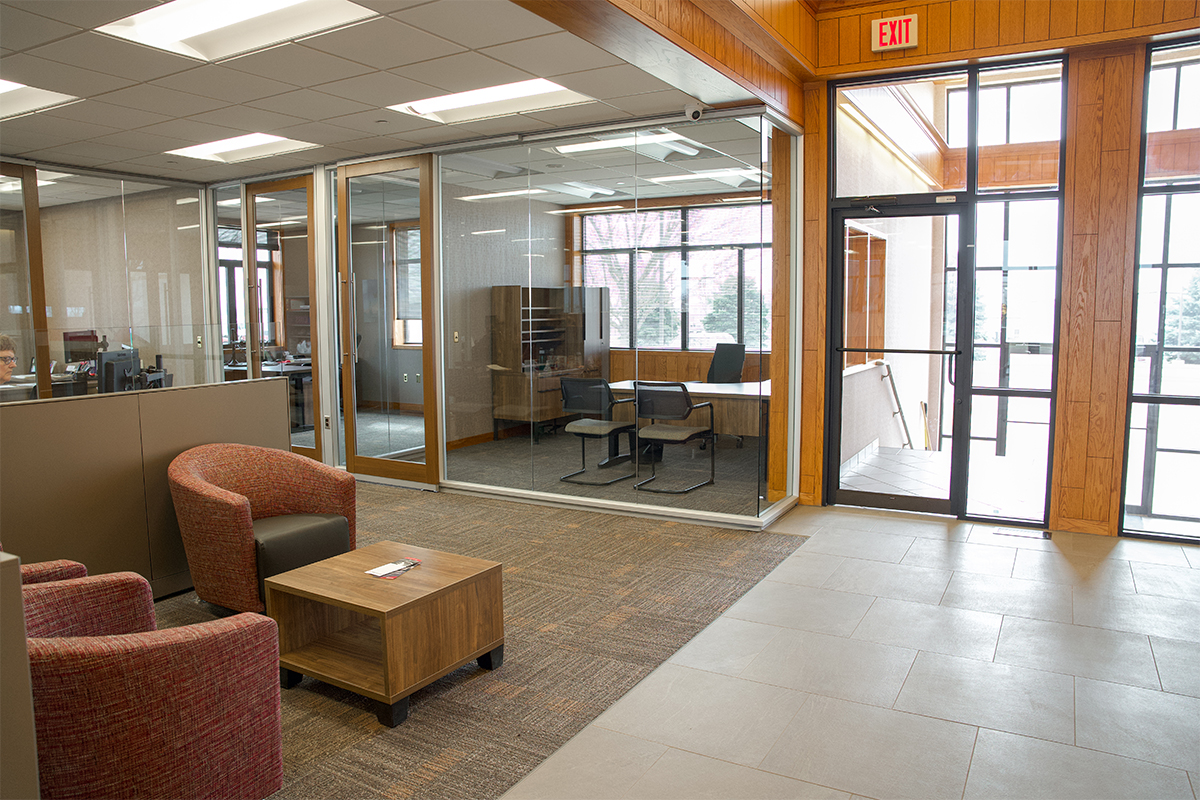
point(493, 101)
point(17, 99)
point(243, 148)
point(500, 195)
point(214, 29)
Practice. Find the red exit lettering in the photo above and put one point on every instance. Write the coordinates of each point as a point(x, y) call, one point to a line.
point(894, 33)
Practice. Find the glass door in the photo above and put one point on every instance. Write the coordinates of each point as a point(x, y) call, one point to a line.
point(902, 331)
point(385, 247)
point(280, 311)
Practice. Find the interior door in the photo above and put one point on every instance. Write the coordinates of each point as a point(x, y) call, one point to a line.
point(900, 324)
point(282, 285)
point(385, 246)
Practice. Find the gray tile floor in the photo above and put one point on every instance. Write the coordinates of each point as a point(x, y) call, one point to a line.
point(898, 656)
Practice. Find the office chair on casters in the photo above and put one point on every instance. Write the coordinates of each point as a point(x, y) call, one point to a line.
point(671, 401)
point(726, 364)
point(593, 396)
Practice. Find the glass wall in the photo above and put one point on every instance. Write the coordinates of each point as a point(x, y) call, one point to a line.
point(122, 272)
point(1164, 416)
point(576, 271)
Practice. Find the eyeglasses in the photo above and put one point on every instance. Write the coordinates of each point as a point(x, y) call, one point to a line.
point(8, 359)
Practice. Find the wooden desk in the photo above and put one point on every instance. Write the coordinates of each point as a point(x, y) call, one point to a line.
point(739, 409)
point(385, 639)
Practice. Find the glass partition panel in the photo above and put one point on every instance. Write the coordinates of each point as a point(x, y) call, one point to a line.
point(610, 258)
point(908, 137)
point(16, 320)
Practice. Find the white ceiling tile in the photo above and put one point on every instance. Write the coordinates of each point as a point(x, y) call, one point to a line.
point(607, 82)
point(222, 83)
point(375, 144)
point(247, 119)
point(84, 13)
point(555, 54)
point(75, 81)
point(148, 97)
point(379, 89)
point(383, 43)
point(113, 56)
point(20, 30)
point(319, 133)
point(388, 6)
point(515, 123)
point(477, 23)
point(464, 72)
point(95, 151)
point(15, 141)
point(64, 129)
point(188, 131)
point(142, 142)
point(382, 122)
point(296, 64)
point(665, 102)
point(311, 104)
point(584, 114)
point(109, 114)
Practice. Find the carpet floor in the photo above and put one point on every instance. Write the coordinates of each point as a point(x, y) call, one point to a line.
point(593, 603)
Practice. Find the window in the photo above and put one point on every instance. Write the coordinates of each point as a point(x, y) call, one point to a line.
point(406, 277)
point(231, 280)
point(683, 278)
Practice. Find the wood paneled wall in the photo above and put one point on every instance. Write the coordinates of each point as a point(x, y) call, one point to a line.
point(815, 295)
point(958, 29)
point(1104, 112)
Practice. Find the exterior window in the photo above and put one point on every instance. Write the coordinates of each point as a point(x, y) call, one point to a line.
point(231, 281)
point(683, 278)
point(406, 277)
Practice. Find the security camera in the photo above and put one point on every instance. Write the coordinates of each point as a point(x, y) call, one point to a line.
point(693, 112)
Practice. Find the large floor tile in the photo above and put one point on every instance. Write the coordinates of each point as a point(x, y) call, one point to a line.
point(874, 752)
point(713, 715)
point(1000, 595)
point(858, 544)
point(849, 669)
point(594, 765)
point(1169, 617)
point(1166, 581)
point(961, 557)
point(1178, 665)
point(805, 569)
point(989, 695)
point(1075, 571)
point(1009, 766)
point(1193, 556)
point(1019, 538)
point(941, 529)
point(802, 607)
point(1078, 650)
point(918, 626)
point(687, 776)
point(1152, 726)
point(881, 579)
point(726, 646)
point(1123, 548)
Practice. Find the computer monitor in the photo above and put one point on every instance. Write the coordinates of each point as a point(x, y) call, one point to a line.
point(80, 345)
point(116, 369)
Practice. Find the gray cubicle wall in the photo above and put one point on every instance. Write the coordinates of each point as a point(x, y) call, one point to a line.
point(85, 478)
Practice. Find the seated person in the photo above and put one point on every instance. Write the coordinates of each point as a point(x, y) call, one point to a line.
point(8, 358)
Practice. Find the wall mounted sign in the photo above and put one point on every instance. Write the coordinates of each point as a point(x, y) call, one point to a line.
point(893, 33)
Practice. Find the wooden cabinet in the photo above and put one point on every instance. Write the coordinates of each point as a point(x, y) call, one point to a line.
point(540, 335)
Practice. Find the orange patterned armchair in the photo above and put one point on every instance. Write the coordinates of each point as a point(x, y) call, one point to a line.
point(248, 512)
point(125, 710)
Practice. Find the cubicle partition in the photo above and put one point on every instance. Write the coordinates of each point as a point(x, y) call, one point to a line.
point(85, 478)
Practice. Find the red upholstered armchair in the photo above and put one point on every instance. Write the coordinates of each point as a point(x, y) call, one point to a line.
point(44, 571)
point(124, 710)
point(222, 490)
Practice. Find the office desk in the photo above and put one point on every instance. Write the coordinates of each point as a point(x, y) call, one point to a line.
point(739, 409)
point(300, 389)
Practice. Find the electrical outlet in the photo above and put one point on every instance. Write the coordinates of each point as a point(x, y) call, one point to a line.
point(327, 423)
point(418, 377)
point(406, 377)
point(456, 337)
point(199, 341)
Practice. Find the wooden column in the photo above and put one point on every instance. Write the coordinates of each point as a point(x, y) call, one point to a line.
point(781, 291)
point(813, 303)
point(1104, 123)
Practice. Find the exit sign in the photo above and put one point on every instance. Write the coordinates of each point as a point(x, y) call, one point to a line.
point(893, 33)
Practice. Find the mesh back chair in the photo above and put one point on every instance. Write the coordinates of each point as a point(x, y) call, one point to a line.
point(726, 364)
point(671, 401)
point(593, 396)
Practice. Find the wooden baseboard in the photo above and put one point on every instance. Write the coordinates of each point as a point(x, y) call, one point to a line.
point(469, 441)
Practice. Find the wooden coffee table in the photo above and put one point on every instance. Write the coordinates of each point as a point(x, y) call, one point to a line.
point(384, 639)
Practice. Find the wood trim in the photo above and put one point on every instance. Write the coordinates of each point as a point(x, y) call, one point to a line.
point(782, 246)
point(813, 336)
point(37, 279)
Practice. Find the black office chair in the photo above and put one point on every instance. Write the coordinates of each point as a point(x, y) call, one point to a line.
point(671, 401)
point(593, 396)
point(726, 364)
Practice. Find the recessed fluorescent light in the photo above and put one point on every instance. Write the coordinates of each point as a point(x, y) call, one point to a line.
point(213, 29)
point(187, 227)
point(183, 201)
point(584, 210)
point(237, 201)
point(722, 175)
point(243, 148)
point(493, 101)
point(496, 195)
point(17, 99)
point(485, 233)
point(625, 141)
